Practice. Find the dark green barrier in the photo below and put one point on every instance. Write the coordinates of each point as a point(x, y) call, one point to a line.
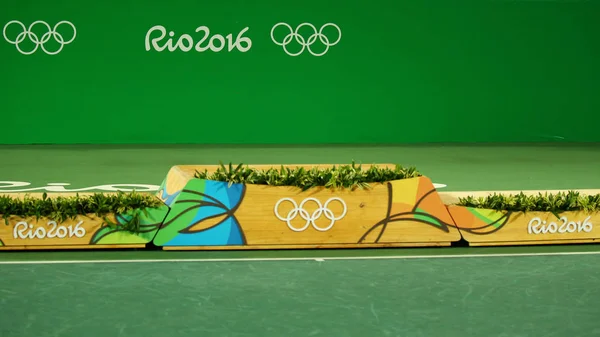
point(403, 71)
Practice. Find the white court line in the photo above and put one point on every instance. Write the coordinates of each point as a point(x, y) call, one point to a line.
point(320, 259)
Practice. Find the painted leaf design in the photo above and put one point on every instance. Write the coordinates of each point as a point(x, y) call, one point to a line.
point(102, 232)
point(425, 217)
point(203, 214)
point(425, 207)
point(479, 221)
point(149, 223)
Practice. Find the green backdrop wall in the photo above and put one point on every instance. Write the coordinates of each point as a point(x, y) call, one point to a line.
point(402, 71)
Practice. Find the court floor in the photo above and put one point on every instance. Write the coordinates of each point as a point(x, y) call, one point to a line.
point(420, 292)
point(507, 291)
point(487, 167)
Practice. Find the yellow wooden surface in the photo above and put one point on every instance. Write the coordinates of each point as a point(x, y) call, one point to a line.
point(261, 226)
point(176, 179)
point(525, 228)
point(44, 232)
point(382, 215)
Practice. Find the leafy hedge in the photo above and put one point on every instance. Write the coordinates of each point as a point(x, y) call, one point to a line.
point(555, 203)
point(343, 176)
point(64, 208)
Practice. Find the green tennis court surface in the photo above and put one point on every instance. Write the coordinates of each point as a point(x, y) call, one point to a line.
point(509, 291)
point(460, 167)
point(486, 295)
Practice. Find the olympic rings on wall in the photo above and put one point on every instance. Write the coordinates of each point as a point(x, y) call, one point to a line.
point(310, 218)
point(39, 42)
point(306, 44)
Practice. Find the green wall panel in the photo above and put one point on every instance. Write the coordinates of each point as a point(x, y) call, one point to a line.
point(402, 72)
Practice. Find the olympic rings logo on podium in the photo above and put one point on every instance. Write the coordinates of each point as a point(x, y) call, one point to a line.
point(322, 210)
point(293, 34)
point(39, 42)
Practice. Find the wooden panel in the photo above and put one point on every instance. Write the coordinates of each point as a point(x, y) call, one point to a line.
point(32, 232)
point(483, 226)
point(82, 231)
point(329, 246)
point(210, 213)
point(261, 226)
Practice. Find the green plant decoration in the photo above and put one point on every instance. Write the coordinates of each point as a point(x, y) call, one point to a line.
point(63, 208)
point(343, 176)
point(554, 203)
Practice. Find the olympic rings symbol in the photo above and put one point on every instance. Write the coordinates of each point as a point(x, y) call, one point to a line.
point(39, 42)
point(306, 44)
point(310, 218)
